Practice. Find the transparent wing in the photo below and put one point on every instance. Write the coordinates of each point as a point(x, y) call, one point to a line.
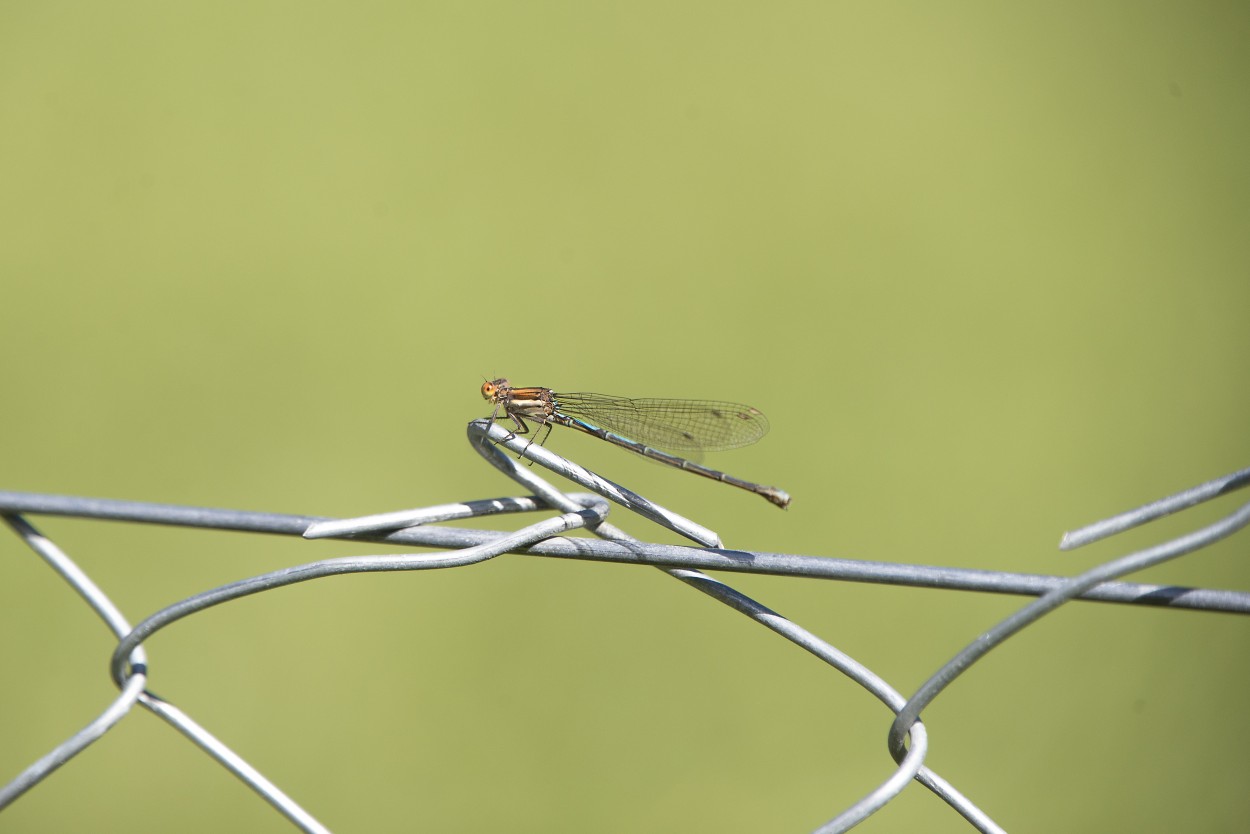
point(674, 425)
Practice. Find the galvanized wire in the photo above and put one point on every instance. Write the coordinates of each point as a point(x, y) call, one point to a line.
point(910, 764)
point(907, 741)
point(646, 553)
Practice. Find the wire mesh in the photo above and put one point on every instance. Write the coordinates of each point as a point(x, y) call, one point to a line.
point(907, 739)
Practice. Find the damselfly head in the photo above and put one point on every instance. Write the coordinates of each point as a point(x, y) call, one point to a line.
point(493, 389)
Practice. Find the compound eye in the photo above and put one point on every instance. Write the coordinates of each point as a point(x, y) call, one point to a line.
point(488, 390)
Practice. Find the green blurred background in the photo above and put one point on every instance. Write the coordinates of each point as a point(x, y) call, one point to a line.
point(984, 266)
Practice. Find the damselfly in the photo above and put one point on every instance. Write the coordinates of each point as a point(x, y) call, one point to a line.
point(644, 426)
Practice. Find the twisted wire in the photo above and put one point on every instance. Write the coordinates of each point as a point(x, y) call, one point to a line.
point(907, 738)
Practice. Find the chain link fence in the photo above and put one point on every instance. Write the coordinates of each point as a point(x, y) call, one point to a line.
point(908, 742)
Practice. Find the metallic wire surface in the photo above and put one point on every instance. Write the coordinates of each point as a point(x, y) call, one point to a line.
point(908, 739)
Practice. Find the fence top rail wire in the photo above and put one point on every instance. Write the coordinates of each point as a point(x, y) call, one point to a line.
point(642, 553)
